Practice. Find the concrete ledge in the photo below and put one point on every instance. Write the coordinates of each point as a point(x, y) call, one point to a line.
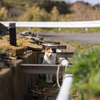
point(14, 85)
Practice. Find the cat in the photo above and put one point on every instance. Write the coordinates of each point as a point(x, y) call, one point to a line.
point(50, 55)
point(49, 58)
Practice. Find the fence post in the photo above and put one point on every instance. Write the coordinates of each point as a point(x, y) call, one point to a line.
point(12, 31)
point(86, 29)
point(59, 29)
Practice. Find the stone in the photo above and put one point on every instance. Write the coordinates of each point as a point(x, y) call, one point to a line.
point(10, 50)
point(28, 33)
point(35, 47)
point(40, 37)
point(23, 44)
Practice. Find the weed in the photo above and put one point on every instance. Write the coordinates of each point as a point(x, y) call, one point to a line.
point(67, 41)
point(20, 44)
point(25, 53)
point(86, 71)
point(15, 57)
point(10, 54)
point(2, 52)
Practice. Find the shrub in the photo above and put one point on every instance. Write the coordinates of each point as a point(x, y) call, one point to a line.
point(3, 14)
point(54, 14)
point(35, 14)
point(86, 71)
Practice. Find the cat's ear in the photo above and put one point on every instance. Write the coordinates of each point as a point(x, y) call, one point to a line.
point(46, 47)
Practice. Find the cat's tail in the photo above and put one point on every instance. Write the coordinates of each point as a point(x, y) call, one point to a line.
point(57, 74)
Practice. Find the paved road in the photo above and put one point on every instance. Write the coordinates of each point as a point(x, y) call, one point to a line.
point(80, 38)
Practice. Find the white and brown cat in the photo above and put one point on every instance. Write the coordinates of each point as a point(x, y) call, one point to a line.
point(49, 58)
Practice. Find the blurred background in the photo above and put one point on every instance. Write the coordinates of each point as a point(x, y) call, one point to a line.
point(51, 10)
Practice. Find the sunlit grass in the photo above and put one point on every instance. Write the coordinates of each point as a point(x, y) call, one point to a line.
point(63, 30)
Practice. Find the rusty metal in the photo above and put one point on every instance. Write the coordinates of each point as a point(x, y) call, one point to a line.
point(58, 46)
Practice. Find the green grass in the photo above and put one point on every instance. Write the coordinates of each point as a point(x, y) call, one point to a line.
point(93, 30)
point(67, 41)
point(85, 70)
point(63, 30)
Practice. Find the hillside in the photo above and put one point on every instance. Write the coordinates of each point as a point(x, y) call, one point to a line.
point(84, 11)
point(79, 11)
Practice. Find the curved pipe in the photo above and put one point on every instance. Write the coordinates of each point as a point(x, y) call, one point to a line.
point(65, 88)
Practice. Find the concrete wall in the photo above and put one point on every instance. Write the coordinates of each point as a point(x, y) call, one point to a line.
point(14, 85)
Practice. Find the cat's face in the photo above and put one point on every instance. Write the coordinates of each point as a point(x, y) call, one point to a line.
point(50, 52)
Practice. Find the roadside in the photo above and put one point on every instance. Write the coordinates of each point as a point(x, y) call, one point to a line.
point(82, 38)
point(62, 30)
